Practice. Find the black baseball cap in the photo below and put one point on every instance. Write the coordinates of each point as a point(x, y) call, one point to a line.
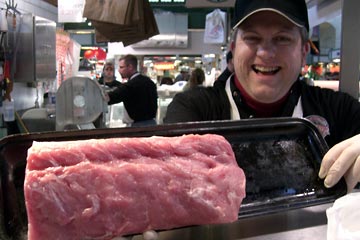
point(294, 10)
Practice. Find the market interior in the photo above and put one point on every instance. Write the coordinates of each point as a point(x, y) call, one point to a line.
point(179, 46)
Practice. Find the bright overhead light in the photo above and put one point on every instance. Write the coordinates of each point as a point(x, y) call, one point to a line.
point(81, 31)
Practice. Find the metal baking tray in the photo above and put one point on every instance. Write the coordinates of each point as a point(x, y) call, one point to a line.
point(280, 157)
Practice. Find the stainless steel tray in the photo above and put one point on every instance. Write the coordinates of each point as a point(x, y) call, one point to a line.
point(280, 156)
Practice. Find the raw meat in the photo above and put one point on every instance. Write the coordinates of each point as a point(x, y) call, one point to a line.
point(102, 188)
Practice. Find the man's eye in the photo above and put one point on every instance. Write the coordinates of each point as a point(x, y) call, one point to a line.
point(251, 39)
point(283, 40)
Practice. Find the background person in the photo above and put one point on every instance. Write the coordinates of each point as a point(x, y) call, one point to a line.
point(183, 75)
point(166, 81)
point(139, 94)
point(108, 76)
point(268, 57)
point(196, 79)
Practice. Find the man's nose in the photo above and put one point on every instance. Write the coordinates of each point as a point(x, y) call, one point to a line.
point(266, 49)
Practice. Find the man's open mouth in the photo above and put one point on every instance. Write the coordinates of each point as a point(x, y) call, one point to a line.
point(266, 70)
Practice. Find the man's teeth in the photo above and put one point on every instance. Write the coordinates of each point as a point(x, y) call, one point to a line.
point(266, 69)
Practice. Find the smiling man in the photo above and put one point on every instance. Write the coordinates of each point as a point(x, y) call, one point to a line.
point(268, 56)
point(269, 46)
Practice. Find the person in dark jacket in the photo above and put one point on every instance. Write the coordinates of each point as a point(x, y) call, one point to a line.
point(139, 94)
point(268, 57)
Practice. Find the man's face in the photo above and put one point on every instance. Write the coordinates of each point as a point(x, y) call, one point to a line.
point(124, 69)
point(268, 55)
point(109, 71)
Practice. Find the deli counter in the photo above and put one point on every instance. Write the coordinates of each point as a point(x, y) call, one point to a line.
point(80, 104)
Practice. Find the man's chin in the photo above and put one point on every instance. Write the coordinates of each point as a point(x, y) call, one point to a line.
point(267, 97)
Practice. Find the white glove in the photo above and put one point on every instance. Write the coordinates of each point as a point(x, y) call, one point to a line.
point(342, 160)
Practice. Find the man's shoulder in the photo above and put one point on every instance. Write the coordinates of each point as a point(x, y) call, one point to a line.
point(224, 75)
point(324, 97)
point(320, 91)
point(203, 93)
point(139, 79)
point(198, 104)
point(140, 76)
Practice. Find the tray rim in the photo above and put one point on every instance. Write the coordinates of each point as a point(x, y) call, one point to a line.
point(174, 129)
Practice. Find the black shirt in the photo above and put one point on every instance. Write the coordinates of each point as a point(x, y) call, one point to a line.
point(221, 80)
point(111, 84)
point(139, 96)
point(340, 110)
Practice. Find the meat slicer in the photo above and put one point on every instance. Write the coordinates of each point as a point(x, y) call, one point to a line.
point(80, 104)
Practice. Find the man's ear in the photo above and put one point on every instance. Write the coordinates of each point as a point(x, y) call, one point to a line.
point(305, 52)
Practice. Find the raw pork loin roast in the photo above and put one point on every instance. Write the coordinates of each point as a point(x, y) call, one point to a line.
point(102, 188)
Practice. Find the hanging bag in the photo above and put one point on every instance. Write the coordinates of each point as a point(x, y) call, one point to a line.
point(110, 11)
point(135, 24)
point(215, 27)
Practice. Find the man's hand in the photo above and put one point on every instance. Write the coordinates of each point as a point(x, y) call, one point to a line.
point(342, 160)
point(150, 235)
point(106, 96)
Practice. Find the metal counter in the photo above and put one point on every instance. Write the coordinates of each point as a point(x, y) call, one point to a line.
point(304, 223)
